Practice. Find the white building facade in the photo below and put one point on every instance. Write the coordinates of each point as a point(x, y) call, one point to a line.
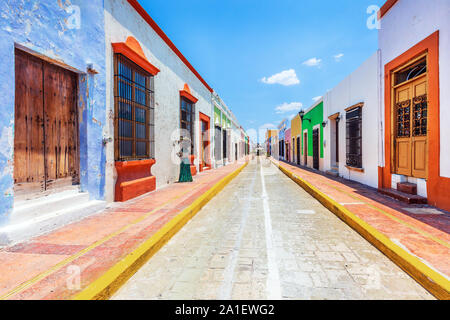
point(414, 41)
point(352, 107)
point(134, 40)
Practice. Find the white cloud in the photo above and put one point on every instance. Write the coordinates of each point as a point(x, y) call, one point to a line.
point(285, 78)
point(313, 62)
point(286, 107)
point(267, 126)
point(315, 99)
point(338, 57)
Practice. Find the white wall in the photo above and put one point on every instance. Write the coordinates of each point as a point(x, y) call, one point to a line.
point(121, 21)
point(361, 86)
point(404, 25)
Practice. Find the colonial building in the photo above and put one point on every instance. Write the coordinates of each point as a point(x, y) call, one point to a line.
point(312, 140)
point(53, 115)
point(414, 41)
point(270, 136)
point(288, 144)
point(282, 127)
point(228, 136)
point(351, 110)
point(296, 136)
point(156, 102)
point(99, 105)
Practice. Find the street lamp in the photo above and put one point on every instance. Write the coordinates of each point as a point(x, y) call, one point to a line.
point(302, 114)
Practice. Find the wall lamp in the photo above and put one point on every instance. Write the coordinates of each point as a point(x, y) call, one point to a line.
point(302, 114)
point(324, 124)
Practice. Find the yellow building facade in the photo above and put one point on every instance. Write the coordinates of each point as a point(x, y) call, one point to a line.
point(296, 136)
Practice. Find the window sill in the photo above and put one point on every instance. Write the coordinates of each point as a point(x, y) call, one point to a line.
point(355, 169)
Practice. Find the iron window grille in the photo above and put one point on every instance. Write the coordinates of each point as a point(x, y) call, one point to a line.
point(134, 111)
point(187, 120)
point(354, 137)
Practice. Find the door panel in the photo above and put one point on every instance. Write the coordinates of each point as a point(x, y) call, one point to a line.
point(46, 126)
point(305, 149)
point(410, 127)
point(403, 157)
point(419, 167)
point(419, 129)
point(29, 131)
point(316, 149)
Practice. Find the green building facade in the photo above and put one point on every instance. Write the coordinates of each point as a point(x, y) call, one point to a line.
point(311, 119)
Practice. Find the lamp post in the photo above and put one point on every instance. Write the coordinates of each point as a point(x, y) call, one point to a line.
point(302, 115)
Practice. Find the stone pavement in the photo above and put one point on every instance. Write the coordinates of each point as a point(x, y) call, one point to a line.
point(421, 230)
point(60, 264)
point(265, 237)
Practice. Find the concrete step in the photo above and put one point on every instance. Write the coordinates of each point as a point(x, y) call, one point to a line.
point(407, 187)
point(30, 209)
point(46, 219)
point(404, 197)
point(334, 173)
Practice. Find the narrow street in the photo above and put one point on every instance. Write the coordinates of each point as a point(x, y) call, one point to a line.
point(264, 237)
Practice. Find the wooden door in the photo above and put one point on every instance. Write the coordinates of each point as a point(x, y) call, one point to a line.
point(298, 150)
point(410, 141)
point(29, 123)
point(46, 135)
point(316, 149)
point(305, 149)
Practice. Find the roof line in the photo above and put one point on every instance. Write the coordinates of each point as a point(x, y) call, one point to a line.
point(139, 9)
point(386, 7)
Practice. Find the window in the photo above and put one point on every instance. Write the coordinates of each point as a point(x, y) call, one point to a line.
point(412, 71)
point(187, 120)
point(354, 137)
point(134, 111)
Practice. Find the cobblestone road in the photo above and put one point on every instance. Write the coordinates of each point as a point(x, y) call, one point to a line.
point(265, 237)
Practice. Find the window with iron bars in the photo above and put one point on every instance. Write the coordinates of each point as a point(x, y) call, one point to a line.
point(354, 137)
point(134, 111)
point(187, 120)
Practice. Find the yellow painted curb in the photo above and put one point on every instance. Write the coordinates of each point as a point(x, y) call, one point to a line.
point(431, 280)
point(105, 286)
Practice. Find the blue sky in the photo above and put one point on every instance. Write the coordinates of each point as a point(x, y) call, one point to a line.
point(260, 55)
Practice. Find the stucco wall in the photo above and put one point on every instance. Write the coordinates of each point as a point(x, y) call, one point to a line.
point(403, 26)
point(315, 114)
point(122, 21)
point(72, 34)
point(360, 86)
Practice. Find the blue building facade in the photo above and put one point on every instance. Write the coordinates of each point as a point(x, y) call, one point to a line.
point(70, 36)
point(282, 127)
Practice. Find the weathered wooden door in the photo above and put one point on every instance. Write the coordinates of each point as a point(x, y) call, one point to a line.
point(410, 120)
point(46, 126)
point(298, 150)
point(316, 149)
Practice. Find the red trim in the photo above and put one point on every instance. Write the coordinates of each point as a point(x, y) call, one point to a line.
point(193, 167)
point(134, 178)
point(135, 4)
point(205, 118)
point(386, 7)
point(186, 92)
point(437, 186)
point(133, 51)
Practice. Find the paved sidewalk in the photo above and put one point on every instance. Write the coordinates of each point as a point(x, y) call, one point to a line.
point(62, 263)
point(421, 230)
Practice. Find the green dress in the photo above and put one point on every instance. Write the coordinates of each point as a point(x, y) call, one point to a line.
point(185, 171)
